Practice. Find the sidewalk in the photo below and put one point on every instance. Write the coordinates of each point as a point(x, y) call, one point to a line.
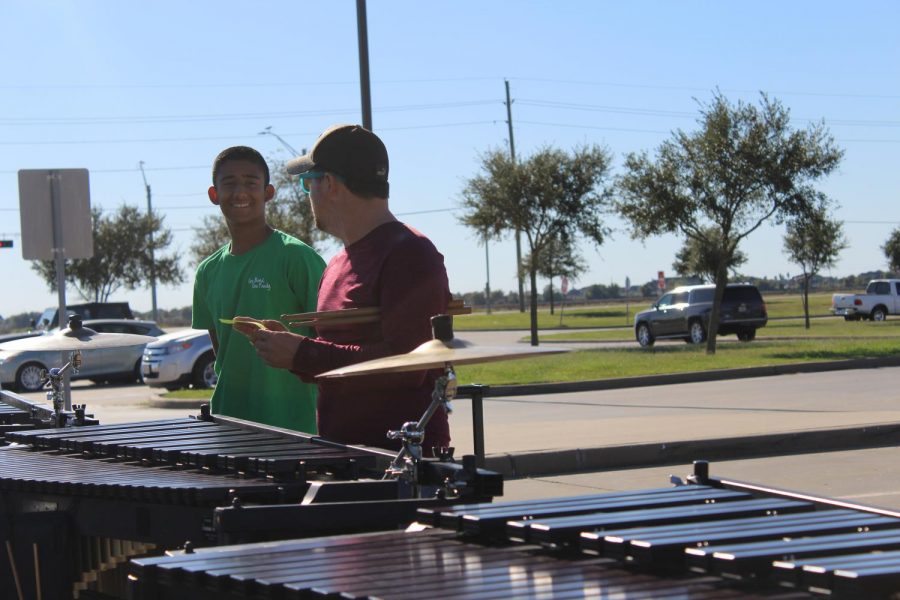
point(621, 424)
point(553, 429)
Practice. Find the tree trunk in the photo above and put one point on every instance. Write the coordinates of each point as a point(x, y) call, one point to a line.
point(713, 324)
point(806, 298)
point(551, 295)
point(534, 303)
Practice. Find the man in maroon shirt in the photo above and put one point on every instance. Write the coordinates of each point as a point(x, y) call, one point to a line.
point(384, 264)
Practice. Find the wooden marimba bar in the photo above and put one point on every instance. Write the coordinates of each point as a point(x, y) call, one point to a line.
point(77, 502)
point(710, 539)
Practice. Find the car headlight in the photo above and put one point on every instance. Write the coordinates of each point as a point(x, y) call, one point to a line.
point(179, 347)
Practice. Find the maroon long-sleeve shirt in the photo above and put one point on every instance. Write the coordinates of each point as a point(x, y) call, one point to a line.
point(397, 269)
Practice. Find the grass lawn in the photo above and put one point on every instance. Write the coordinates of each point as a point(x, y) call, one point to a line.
point(607, 363)
point(618, 314)
point(784, 340)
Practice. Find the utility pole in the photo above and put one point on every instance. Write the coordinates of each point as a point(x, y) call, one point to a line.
point(512, 155)
point(152, 258)
point(487, 268)
point(363, 35)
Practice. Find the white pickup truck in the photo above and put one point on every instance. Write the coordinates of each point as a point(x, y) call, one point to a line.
point(882, 298)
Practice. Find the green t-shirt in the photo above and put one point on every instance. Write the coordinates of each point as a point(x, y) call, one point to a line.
point(279, 276)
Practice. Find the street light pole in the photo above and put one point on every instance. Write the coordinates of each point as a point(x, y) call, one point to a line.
point(268, 131)
point(150, 227)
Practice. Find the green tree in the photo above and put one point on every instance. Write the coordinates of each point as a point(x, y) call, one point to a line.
point(813, 241)
point(744, 166)
point(700, 260)
point(288, 211)
point(891, 250)
point(550, 196)
point(123, 256)
point(559, 259)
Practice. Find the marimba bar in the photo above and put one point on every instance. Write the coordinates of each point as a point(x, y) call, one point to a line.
point(710, 539)
point(77, 502)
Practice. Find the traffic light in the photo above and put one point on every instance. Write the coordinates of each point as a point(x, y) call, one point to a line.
point(6, 243)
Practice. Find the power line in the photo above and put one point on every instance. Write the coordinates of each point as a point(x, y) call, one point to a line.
point(215, 138)
point(102, 120)
point(704, 89)
point(440, 80)
point(102, 86)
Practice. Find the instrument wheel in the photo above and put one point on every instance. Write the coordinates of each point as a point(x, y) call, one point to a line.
point(28, 377)
point(204, 374)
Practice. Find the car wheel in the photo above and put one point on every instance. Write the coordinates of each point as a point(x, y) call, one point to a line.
point(136, 374)
point(29, 377)
point(746, 335)
point(879, 314)
point(698, 332)
point(204, 374)
point(643, 335)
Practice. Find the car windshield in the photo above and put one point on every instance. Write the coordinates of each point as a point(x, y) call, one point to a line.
point(43, 321)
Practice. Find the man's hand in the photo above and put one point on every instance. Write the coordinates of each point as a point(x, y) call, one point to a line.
point(276, 348)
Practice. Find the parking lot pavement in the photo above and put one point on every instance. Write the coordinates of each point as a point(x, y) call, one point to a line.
point(869, 476)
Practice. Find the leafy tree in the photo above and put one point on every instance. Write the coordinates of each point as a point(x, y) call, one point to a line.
point(560, 259)
point(813, 241)
point(288, 211)
point(891, 250)
point(550, 196)
point(700, 260)
point(741, 168)
point(123, 256)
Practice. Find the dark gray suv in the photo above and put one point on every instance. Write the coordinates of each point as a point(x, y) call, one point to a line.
point(684, 313)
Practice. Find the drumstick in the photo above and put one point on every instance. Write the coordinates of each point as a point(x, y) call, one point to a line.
point(355, 316)
point(327, 314)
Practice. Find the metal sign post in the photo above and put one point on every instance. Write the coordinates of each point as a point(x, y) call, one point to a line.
point(64, 195)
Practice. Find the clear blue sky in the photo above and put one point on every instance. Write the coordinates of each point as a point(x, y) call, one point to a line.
point(104, 85)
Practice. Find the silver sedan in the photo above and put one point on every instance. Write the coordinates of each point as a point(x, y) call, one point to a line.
point(23, 369)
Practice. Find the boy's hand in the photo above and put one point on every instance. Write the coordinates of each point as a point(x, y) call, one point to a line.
point(276, 348)
point(245, 325)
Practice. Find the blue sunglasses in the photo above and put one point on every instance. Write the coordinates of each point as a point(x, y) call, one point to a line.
point(305, 178)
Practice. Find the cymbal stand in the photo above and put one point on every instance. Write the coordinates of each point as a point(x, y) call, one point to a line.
point(55, 378)
point(412, 434)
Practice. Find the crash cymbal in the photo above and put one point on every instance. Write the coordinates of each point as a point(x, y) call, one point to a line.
point(81, 338)
point(436, 354)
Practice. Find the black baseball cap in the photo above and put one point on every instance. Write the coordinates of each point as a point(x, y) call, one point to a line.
point(350, 151)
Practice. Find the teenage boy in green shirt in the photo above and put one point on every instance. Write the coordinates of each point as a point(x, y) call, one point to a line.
point(261, 272)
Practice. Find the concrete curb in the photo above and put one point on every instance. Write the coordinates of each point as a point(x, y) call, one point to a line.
point(534, 464)
point(157, 401)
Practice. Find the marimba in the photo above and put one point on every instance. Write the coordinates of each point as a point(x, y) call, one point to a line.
point(78, 502)
point(711, 538)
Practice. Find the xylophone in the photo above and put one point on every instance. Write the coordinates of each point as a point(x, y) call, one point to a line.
point(78, 502)
point(710, 538)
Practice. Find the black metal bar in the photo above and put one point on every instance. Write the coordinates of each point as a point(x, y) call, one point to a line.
point(477, 393)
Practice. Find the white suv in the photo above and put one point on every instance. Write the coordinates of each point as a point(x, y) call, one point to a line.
point(179, 359)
